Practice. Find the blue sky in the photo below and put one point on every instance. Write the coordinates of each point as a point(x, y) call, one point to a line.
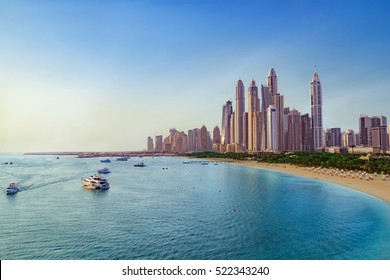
point(105, 75)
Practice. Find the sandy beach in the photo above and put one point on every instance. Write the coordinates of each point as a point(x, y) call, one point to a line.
point(371, 184)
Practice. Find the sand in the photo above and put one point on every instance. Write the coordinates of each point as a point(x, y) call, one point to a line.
point(371, 184)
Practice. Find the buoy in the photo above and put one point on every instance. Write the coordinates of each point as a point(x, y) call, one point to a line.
point(219, 190)
point(265, 189)
point(235, 209)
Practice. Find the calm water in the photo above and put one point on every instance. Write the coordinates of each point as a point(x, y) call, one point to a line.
point(183, 212)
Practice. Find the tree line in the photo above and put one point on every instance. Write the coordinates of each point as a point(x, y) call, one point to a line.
point(308, 159)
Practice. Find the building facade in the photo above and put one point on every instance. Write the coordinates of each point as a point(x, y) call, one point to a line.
point(316, 111)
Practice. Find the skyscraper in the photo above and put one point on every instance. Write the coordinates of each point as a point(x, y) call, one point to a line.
point(150, 144)
point(316, 110)
point(272, 82)
point(294, 131)
point(159, 146)
point(307, 140)
point(253, 107)
point(272, 133)
point(279, 105)
point(227, 111)
point(266, 100)
point(365, 126)
point(238, 114)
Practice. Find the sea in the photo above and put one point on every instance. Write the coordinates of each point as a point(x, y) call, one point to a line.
point(169, 210)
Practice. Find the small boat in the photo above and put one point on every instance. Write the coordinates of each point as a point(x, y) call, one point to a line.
point(140, 165)
point(95, 182)
point(122, 158)
point(104, 170)
point(204, 163)
point(105, 160)
point(186, 162)
point(12, 188)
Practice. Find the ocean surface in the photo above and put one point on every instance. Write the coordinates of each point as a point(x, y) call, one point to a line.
point(174, 211)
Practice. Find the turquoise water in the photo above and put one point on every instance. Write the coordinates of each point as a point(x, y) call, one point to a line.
point(170, 210)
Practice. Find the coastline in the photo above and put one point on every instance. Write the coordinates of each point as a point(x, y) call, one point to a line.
point(376, 186)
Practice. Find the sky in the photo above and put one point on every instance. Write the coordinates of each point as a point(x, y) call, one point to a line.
point(105, 75)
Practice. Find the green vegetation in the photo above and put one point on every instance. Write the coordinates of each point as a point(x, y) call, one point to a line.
point(326, 160)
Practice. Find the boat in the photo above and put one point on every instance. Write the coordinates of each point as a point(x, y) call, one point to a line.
point(95, 182)
point(122, 158)
point(105, 160)
point(186, 162)
point(104, 170)
point(204, 163)
point(12, 188)
point(140, 165)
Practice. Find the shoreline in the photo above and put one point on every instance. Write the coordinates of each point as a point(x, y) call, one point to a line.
point(375, 186)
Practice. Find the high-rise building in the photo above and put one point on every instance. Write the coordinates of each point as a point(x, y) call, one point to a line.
point(333, 137)
point(232, 129)
point(253, 107)
point(238, 114)
point(266, 100)
point(150, 144)
point(204, 138)
point(294, 131)
point(316, 110)
point(272, 133)
point(379, 139)
point(279, 105)
point(191, 141)
point(159, 143)
point(307, 139)
point(216, 135)
point(227, 111)
point(286, 127)
point(272, 82)
point(365, 126)
point(245, 130)
point(256, 131)
point(348, 138)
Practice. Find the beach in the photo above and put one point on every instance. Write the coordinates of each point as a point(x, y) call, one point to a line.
point(374, 185)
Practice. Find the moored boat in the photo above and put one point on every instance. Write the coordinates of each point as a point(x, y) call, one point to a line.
point(105, 160)
point(95, 182)
point(12, 188)
point(140, 165)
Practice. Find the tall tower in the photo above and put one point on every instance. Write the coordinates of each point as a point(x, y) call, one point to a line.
point(279, 105)
point(272, 82)
point(238, 116)
point(316, 110)
point(272, 133)
point(227, 111)
point(253, 107)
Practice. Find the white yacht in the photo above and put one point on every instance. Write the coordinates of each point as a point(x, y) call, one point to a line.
point(95, 182)
point(12, 188)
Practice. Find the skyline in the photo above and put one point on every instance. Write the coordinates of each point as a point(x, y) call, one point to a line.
point(105, 75)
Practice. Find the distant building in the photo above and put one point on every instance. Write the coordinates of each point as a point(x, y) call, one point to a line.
point(204, 139)
point(253, 107)
point(150, 144)
point(266, 100)
point(279, 105)
point(238, 114)
point(365, 126)
point(159, 145)
point(307, 139)
point(294, 131)
point(227, 111)
point(348, 138)
point(379, 139)
point(245, 130)
point(216, 135)
point(333, 137)
point(316, 111)
point(272, 133)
